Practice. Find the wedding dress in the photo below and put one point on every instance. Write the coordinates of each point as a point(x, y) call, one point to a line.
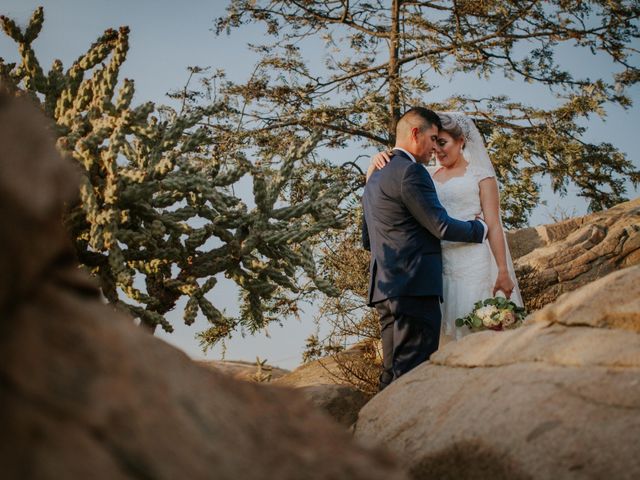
point(469, 269)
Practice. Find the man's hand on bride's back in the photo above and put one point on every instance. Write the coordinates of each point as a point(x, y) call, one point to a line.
point(380, 159)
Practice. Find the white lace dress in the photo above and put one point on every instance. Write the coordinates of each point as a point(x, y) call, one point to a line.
point(467, 267)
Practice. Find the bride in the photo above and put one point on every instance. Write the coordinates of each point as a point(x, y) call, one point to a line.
point(466, 185)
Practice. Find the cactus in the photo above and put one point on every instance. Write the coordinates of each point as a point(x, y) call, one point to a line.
point(157, 219)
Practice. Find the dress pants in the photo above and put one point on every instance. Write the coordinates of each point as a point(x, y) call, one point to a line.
point(410, 331)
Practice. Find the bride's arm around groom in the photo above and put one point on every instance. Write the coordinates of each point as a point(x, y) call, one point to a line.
point(419, 196)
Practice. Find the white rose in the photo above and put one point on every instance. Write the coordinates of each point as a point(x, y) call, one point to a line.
point(485, 315)
point(486, 311)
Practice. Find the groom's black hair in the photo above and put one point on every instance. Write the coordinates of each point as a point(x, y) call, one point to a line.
point(429, 116)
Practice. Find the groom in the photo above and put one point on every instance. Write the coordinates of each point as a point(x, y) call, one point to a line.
point(403, 225)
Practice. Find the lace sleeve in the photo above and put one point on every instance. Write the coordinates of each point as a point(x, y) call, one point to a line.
point(481, 173)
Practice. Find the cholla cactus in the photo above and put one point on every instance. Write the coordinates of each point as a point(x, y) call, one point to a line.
point(157, 219)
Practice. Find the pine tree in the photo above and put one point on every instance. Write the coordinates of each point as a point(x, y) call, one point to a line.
point(383, 56)
point(386, 55)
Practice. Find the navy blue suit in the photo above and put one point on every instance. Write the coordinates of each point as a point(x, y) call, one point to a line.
point(403, 225)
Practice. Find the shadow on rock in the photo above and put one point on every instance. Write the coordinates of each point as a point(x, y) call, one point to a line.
point(469, 461)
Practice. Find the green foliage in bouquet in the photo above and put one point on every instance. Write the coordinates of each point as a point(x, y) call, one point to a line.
point(496, 313)
point(158, 218)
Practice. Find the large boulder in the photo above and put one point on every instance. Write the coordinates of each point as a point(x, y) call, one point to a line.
point(554, 259)
point(610, 302)
point(86, 394)
point(34, 184)
point(556, 398)
point(323, 383)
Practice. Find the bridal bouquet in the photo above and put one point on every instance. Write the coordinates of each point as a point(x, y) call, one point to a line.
point(496, 313)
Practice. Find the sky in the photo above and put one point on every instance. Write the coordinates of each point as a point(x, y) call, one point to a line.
point(168, 36)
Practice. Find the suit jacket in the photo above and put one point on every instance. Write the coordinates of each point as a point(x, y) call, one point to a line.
point(403, 225)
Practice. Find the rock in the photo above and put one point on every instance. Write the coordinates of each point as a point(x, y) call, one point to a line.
point(245, 370)
point(324, 371)
point(523, 241)
point(575, 252)
point(32, 235)
point(543, 342)
point(556, 398)
point(341, 402)
point(610, 302)
point(513, 422)
point(323, 384)
point(86, 394)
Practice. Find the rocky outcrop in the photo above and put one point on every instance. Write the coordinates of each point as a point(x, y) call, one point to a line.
point(86, 394)
point(556, 398)
point(610, 302)
point(554, 259)
point(322, 383)
point(253, 372)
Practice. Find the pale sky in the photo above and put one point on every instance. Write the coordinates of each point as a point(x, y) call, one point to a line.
point(167, 36)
